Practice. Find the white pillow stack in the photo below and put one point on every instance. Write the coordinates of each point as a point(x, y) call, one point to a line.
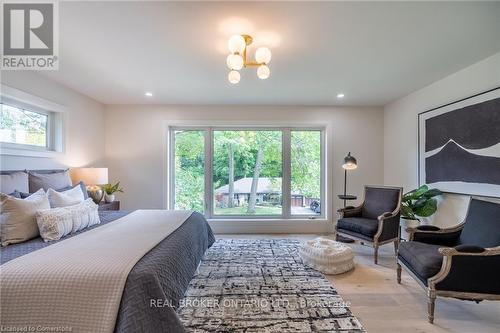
point(66, 198)
point(57, 222)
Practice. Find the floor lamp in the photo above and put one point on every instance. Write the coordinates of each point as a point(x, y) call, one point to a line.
point(350, 163)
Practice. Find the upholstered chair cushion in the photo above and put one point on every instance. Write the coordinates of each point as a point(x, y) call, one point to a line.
point(360, 225)
point(423, 259)
point(379, 201)
point(482, 225)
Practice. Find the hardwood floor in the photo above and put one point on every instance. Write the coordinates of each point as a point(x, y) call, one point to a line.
point(384, 306)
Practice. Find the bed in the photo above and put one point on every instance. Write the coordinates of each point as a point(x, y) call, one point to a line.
point(163, 273)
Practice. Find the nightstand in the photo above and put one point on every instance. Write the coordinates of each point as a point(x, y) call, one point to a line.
point(115, 205)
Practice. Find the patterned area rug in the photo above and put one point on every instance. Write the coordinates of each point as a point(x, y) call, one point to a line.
point(262, 286)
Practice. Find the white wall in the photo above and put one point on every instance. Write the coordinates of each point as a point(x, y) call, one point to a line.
point(136, 145)
point(84, 124)
point(400, 128)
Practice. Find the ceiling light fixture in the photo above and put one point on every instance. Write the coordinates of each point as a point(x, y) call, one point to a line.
point(237, 59)
point(340, 95)
point(148, 94)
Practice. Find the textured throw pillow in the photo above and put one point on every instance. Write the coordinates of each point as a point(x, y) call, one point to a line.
point(18, 222)
point(58, 222)
point(16, 181)
point(55, 180)
point(65, 198)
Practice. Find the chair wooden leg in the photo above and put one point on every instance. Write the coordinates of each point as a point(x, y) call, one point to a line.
point(376, 254)
point(398, 271)
point(396, 246)
point(431, 303)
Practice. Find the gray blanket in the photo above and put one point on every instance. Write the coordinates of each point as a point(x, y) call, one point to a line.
point(157, 282)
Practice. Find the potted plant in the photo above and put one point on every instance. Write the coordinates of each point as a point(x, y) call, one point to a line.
point(418, 203)
point(110, 190)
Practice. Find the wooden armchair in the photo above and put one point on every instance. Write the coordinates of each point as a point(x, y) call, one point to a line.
point(376, 220)
point(461, 262)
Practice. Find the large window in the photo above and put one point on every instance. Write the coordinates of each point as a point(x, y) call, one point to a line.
point(248, 172)
point(24, 127)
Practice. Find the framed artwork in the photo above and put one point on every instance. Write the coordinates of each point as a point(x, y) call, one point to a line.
point(459, 146)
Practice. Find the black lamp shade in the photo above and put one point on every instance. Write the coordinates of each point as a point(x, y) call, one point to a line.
point(350, 162)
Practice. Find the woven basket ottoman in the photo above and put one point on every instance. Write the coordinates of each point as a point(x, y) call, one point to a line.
point(327, 256)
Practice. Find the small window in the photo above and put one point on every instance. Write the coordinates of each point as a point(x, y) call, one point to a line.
point(30, 125)
point(24, 127)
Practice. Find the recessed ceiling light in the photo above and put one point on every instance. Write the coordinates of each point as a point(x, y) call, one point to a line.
point(149, 94)
point(340, 95)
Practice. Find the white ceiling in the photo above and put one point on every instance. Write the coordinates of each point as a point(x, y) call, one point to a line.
point(374, 52)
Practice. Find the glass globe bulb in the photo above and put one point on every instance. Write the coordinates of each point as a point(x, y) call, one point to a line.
point(236, 44)
point(263, 55)
point(235, 61)
point(234, 77)
point(263, 72)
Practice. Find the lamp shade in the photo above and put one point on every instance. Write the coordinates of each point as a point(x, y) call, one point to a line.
point(350, 162)
point(90, 176)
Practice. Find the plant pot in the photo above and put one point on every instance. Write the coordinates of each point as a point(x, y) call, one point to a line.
point(407, 223)
point(109, 197)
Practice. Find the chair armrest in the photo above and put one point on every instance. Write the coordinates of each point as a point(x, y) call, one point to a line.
point(469, 269)
point(435, 235)
point(469, 250)
point(349, 211)
point(388, 226)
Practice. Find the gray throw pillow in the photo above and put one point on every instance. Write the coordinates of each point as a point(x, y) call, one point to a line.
point(16, 194)
point(18, 221)
point(16, 181)
point(24, 195)
point(56, 180)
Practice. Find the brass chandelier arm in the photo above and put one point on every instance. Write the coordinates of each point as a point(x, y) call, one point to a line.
point(247, 63)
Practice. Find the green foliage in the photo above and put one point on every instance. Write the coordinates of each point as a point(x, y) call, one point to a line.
point(306, 163)
point(420, 202)
point(245, 145)
point(189, 170)
point(110, 188)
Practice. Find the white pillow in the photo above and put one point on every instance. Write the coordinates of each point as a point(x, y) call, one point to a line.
point(66, 198)
point(18, 222)
point(58, 222)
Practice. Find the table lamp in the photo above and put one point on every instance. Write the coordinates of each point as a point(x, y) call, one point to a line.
point(92, 178)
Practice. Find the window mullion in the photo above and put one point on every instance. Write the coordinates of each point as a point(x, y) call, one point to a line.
point(171, 199)
point(286, 179)
point(324, 210)
point(208, 172)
